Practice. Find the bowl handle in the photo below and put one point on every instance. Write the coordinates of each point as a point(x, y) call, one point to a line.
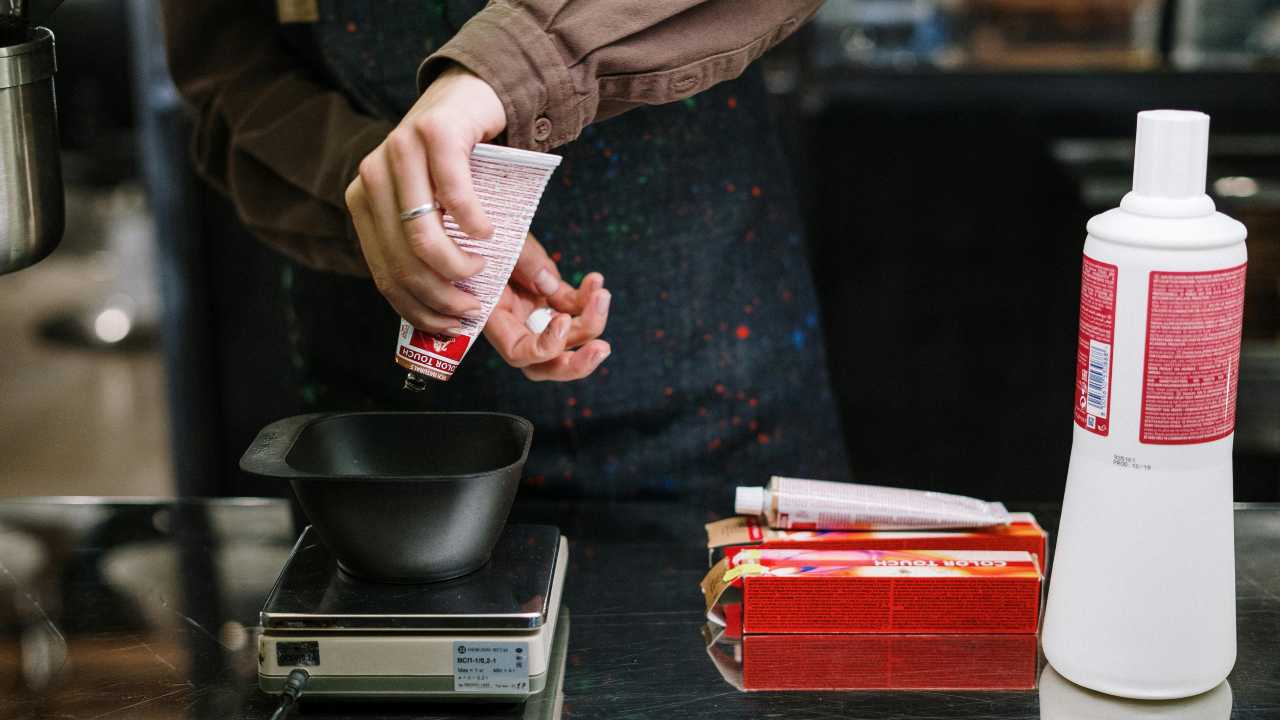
point(266, 455)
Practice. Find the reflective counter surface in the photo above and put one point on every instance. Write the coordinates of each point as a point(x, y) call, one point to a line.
point(142, 609)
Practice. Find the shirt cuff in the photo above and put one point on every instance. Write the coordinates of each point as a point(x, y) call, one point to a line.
point(506, 47)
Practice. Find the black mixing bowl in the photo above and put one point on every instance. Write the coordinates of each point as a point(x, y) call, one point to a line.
point(400, 497)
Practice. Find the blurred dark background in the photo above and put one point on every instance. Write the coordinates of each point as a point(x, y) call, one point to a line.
point(949, 153)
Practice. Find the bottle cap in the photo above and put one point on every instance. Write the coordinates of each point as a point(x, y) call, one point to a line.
point(749, 501)
point(1171, 154)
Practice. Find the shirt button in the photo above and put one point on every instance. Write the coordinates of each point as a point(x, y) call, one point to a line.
point(541, 129)
point(685, 84)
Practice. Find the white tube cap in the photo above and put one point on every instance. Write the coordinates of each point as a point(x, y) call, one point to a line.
point(1171, 154)
point(749, 501)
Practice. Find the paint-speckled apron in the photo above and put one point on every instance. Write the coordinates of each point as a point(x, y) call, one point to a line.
point(717, 375)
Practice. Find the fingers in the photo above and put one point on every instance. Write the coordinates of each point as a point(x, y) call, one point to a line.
point(570, 366)
point(408, 163)
point(518, 346)
point(425, 236)
point(449, 156)
point(535, 271)
point(511, 335)
point(406, 304)
point(428, 301)
point(435, 292)
point(567, 299)
point(544, 356)
point(590, 324)
point(419, 315)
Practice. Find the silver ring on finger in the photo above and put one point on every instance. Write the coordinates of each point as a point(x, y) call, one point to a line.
point(415, 213)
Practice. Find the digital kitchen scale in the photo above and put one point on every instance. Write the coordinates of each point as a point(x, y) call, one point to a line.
point(487, 635)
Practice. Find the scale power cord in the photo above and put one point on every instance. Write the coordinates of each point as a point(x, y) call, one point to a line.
point(293, 687)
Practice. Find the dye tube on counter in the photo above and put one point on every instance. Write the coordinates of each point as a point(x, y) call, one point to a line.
point(797, 504)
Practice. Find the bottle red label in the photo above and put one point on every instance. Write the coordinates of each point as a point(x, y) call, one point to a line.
point(1192, 359)
point(1096, 344)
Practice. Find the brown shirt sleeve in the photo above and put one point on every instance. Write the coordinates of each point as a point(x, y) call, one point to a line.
point(559, 65)
point(281, 145)
point(284, 146)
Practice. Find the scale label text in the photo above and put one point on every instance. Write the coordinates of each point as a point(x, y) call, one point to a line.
point(491, 667)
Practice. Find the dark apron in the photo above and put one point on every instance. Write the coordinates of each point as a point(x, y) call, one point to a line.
point(717, 376)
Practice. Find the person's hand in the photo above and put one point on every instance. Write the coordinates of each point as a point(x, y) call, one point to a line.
point(426, 159)
point(569, 348)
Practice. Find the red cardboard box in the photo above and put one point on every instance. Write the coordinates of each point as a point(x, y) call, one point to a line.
point(878, 591)
point(728, 537)
point(875, 662)
point(889, 662)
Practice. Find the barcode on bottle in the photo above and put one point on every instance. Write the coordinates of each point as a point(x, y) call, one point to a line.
point(1099, 371)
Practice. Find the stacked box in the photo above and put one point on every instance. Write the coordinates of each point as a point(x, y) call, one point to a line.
point(878, 591)
point(848, 610)
point(728, 537)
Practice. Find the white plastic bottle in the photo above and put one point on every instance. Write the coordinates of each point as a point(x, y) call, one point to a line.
point(1142, 589)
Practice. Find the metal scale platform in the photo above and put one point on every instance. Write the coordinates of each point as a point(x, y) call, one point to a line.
point(488, 635)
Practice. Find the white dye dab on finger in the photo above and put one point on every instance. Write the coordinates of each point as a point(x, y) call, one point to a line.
point(539, 319)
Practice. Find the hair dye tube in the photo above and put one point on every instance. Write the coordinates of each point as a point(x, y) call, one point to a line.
point(509, 184)
point(796, 504)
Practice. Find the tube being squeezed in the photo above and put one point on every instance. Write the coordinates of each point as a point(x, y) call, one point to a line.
point(509, 184)
point(795, 504)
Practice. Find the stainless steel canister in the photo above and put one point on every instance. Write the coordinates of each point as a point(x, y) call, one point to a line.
point(31, 206)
